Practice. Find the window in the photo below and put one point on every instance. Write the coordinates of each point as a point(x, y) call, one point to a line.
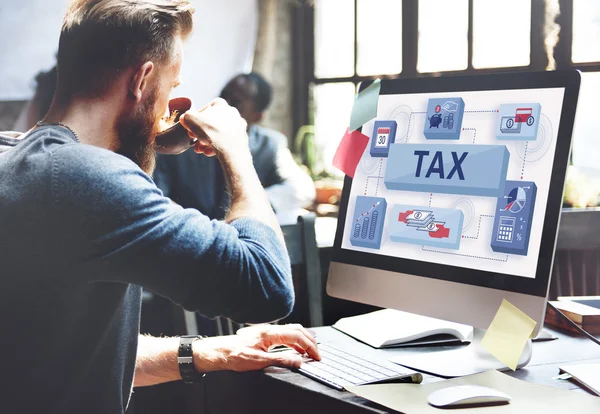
point(353, 40)
point(586, 31)
point(443, 42)
point(334, 38)
point(494, 45)
point(585, 132)
point(379, 34)
point(357, 40)
point(583, 53)
point(333, 103)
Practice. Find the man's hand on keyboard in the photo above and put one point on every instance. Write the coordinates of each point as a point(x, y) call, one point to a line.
point(249, 349)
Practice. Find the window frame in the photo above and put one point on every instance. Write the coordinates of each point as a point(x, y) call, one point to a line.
point(304, 47)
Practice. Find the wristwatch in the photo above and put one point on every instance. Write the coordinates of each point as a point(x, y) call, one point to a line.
point(185, 359)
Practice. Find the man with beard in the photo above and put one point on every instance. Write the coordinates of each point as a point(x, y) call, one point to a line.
point(84, 227)
point(199, 183)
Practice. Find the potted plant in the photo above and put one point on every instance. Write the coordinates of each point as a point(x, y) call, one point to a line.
point(328, 186)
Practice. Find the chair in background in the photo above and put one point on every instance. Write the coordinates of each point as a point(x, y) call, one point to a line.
point(301, 243)
point(302, 247)
point(576, 270)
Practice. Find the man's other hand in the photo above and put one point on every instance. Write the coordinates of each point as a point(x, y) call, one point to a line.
point(219, 128)
point(249, 349)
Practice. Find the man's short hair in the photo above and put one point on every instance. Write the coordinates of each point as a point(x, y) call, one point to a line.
point(262, 91)
point(99, 38)
point(44, 90)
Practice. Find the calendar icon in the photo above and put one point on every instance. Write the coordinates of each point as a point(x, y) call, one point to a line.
point(506, 228)
point(384, 134)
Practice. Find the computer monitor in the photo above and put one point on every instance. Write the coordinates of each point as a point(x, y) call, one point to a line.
point(455, 203)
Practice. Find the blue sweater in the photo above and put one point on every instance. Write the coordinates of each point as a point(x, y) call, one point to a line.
point(81, 230)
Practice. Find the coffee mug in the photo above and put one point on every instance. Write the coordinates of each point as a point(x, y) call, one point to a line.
point(175, 139)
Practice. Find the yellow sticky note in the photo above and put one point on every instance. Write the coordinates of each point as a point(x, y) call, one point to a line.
point(508, 333)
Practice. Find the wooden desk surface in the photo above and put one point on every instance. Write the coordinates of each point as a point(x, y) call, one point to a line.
point(279, 390)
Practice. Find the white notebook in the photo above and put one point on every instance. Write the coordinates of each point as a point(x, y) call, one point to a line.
point(391, 328)
point(586, 374)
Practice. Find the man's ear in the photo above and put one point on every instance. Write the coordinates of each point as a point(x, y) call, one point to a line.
point(139, 80)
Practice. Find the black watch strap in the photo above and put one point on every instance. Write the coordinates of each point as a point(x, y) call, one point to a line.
point(185, 359)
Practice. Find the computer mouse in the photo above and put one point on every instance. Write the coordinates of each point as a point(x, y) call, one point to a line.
point(467, 395)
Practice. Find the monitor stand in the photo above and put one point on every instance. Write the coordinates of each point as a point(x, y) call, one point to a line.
point(461, 361)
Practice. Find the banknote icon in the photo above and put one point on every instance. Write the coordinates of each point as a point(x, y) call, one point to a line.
point(437, 227)
point(419, 218)
point(450, 106)
point(418, 215)
point(433, 226)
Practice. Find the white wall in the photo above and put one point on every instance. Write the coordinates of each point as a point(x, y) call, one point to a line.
point(29, 30)
point(221, 46)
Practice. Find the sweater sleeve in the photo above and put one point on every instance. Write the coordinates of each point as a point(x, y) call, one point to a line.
point(121, 228)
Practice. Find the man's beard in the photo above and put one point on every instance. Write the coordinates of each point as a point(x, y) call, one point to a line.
point(137, 133)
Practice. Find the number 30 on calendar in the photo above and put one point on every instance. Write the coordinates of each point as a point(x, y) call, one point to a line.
point(383, 135)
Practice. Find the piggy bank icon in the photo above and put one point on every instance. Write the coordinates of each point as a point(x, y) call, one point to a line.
point(435, 121)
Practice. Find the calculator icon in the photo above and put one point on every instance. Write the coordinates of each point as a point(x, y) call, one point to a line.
point(506, 228)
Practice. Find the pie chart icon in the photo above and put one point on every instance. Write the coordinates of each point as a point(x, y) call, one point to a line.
point(516, 199)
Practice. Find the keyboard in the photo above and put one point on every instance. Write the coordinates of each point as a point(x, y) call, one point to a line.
point(339, 369)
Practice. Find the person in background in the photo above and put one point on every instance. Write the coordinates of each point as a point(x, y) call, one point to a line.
point(38, 106)
point(198, 182)
point(84, 227)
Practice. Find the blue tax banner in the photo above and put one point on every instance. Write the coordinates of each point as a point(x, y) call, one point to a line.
point(478, 170)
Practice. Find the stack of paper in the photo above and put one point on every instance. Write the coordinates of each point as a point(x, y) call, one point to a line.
point(586, 374)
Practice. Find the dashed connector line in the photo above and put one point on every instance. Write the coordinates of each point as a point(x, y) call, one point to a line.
point(409, 122)
point(524, 160)
point(478, 227)
point(378, 176)
point(465, 255)
point(483, 111)
point(372, 176)
point(430, 197)
point(474, 132)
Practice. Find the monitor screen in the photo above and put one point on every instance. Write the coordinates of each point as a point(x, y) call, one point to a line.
point(457, 178)
point(455, 182)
